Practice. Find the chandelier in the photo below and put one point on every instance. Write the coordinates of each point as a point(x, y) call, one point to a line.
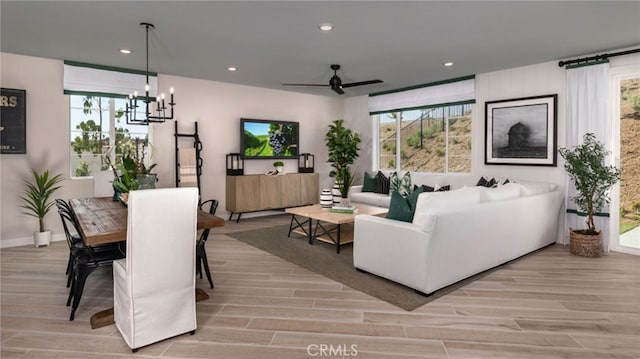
point(155, 108)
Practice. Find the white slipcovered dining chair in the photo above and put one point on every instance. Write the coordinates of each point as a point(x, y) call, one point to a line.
point(154, 286)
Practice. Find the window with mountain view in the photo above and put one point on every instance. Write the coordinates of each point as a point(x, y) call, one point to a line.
point(431, 139)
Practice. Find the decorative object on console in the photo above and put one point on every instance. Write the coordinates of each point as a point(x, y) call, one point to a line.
point(279, 166)
point(521, 131)
point(306, 163)
point(235, 164)
point(37, 202)
point(592, 179)
point(343, 150)
point(131, 108)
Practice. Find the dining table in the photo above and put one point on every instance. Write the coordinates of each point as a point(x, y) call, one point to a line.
point(102, 220)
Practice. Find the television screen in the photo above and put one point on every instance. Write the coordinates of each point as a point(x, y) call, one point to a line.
point(268, 139)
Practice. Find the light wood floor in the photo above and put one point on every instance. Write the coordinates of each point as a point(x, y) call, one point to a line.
point(547, 305)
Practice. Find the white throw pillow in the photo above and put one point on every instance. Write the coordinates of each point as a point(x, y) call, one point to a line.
point(502, 193)
point(533, 188)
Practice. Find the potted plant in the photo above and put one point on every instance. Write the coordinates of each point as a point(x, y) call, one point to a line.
point(279, 166)
point(592, 179)
point(132, 174)
point(37, 202)
point(343, 150)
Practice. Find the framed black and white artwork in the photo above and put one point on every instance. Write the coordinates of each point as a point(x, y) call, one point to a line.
point(521, 131)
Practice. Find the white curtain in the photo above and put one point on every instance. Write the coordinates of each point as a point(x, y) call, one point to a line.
point(587, 111)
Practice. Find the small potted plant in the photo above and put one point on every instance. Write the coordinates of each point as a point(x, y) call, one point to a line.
point(37, 202)
point(343, 150)
point(592, 179)
point(279, 165)
point(132, 174)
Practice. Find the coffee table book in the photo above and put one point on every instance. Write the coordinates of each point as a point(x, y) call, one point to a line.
point(339, 209)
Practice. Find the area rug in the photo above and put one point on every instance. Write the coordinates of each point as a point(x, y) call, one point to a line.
point(322, 258)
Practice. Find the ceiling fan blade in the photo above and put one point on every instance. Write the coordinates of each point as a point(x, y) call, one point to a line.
point(305, 85)
point(338, 90)
point(361, 83)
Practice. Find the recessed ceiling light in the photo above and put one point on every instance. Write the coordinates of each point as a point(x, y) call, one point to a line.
point(231, 68)
point(448, 64)
point(325, 26)
point(125, 51)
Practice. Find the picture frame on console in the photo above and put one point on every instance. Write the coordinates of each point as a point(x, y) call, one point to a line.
point(522, 131)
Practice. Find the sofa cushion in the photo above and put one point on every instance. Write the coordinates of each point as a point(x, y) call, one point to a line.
point(502, 193)
point(403, 208)
point(374, 199)
point(369, 183)
point(383, 183)
point(431, 203)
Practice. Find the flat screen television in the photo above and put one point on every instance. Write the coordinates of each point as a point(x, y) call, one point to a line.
point(268, 138)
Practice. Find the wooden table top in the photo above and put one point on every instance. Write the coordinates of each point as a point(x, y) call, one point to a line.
point(324, 214)
point(102, 220)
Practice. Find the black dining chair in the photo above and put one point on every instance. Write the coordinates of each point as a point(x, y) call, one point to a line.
point(77, 245)
point(76, 240)
point(84, 260)
point(201, 252)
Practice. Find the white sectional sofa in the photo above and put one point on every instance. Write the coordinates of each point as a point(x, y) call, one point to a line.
point(457, 234)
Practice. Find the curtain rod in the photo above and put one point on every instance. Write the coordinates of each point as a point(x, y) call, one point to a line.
point(597, 57)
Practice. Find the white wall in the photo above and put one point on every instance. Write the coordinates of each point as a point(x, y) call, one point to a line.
point(216, 106)
point(47, 144)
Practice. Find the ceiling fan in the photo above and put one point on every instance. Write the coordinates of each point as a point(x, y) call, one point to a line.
point(336, 83)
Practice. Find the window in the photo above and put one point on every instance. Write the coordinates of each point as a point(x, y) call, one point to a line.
point(99, 134)
point(430, 139)
point(425, 128)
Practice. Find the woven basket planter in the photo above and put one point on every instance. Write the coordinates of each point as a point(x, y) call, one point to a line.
point(585, 245)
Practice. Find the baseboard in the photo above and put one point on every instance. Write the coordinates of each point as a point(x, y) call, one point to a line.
point(27, 241)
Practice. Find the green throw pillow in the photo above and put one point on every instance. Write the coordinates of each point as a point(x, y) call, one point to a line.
point(369, 183)
point(403, 208)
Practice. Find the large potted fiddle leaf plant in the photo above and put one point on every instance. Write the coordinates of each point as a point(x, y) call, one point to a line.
point(38, 200)
point(343, 150)
point(592, 179)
